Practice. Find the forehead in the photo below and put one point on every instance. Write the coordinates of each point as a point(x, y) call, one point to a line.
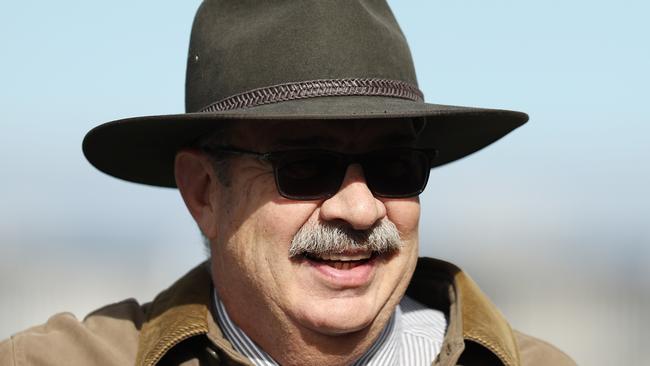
point(334, 134)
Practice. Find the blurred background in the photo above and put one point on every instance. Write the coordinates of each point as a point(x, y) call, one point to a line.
point(552, 221)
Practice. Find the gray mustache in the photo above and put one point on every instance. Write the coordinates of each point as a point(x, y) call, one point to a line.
point(330, 237)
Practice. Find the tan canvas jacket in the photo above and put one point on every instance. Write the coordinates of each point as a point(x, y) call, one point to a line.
point(177, 328)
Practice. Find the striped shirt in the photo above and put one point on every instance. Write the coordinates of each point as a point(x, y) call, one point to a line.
point(412, 337)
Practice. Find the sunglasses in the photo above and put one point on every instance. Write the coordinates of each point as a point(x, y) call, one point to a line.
point(318, 174)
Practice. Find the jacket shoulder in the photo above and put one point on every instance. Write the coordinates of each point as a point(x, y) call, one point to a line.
point(107, 336)
point(536, 352)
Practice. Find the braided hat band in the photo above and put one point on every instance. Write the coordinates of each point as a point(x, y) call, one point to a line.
point(317, 88)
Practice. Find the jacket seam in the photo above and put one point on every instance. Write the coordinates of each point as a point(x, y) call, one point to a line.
point(169, 341)
point(13, 351)
point(503, 356)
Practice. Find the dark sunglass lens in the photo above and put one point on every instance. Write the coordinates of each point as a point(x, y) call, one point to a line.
point(308, 175)
point(397, 173)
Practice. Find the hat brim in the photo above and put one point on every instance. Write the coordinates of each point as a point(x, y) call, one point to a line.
point(142, 149)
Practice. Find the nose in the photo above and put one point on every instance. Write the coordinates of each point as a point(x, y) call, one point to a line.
point(353, 203)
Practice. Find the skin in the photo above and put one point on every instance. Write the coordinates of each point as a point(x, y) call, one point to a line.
point(300, 316)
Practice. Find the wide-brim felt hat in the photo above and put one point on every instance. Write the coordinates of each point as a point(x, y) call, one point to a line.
point(292, 60)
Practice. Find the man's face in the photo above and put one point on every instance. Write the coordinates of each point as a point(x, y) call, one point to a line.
point(253, 270)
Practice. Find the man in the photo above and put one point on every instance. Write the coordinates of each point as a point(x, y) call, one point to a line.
point(301, 159)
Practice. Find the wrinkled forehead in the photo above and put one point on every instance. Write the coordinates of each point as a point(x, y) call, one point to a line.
point(359, 134)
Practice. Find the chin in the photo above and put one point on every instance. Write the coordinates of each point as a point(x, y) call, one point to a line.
point(339, 316)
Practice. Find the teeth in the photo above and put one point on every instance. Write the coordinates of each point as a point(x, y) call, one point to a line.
point(339, 265)
point(345, 258)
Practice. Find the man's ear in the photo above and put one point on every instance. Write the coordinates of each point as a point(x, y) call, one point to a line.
point(197, 183)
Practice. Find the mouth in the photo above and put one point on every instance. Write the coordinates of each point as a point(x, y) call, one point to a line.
point(341, 261)
point(347, 270)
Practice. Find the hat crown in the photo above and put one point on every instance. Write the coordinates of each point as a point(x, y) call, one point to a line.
point(241, 45)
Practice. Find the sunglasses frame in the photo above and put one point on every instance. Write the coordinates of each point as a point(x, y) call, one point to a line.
point(275, 157)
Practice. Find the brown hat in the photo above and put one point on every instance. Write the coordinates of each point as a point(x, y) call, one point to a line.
point(294, 60)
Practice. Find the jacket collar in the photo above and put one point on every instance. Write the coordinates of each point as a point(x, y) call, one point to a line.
point(476, 327)
point(176, 314)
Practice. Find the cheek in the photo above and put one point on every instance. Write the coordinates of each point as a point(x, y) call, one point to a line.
point(270, 228)
point(405, 214)
point(252, 211)
point(278, 221)
point(256, 245)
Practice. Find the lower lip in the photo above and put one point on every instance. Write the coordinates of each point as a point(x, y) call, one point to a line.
point(357, 276)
